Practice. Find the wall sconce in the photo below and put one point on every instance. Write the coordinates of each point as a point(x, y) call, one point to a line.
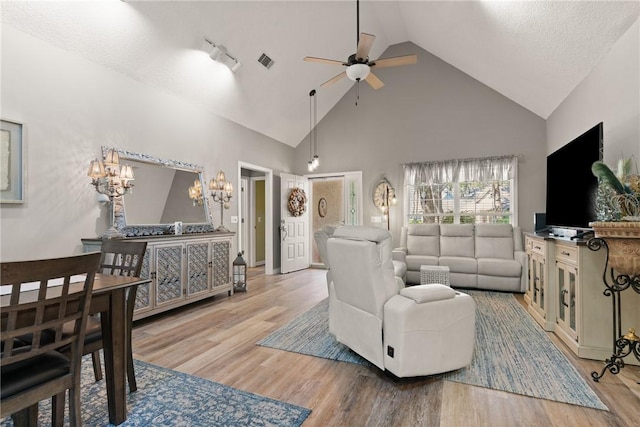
point(112, 180)
point(195, 193)
point(219, 53)
point(221, 191)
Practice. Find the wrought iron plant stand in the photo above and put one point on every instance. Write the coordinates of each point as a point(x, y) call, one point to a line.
point(615, 284)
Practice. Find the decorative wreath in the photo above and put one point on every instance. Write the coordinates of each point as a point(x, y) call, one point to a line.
point(297, 201)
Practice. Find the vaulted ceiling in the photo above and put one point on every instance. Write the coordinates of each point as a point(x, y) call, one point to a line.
point(533, 52)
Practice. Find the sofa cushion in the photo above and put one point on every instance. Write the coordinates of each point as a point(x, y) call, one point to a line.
point(494, 283)
point(457, 240)
point(460, 264)
point(499, 267)
point(423, 239)
point(415, 261)
point(494, 241)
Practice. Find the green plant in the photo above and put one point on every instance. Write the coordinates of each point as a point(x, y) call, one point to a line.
point(618, 195)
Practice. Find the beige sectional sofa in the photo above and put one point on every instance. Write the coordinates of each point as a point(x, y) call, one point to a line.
point(481, 256)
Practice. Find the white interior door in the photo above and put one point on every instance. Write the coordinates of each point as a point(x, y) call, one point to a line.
point(293, 229)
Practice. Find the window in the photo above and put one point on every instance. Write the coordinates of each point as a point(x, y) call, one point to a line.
point(462, 191)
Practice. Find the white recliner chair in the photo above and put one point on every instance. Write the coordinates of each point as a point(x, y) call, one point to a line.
point(415, 331)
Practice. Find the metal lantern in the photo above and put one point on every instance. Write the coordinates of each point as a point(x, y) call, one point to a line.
point(239, 274)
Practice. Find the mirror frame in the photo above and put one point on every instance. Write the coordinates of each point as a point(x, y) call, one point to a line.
point(141, 230)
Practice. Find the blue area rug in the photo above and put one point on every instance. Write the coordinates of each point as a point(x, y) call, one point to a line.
point(171, 398)
point(512, 352)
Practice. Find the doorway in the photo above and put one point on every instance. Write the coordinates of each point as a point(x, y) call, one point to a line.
point(255, 206)
point(335, 199)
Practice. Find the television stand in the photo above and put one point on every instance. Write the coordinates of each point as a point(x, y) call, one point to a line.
point(581, 234)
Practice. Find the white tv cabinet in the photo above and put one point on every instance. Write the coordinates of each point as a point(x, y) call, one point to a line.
point(565, 295)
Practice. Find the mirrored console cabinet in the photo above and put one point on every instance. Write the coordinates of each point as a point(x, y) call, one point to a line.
point(183, 269)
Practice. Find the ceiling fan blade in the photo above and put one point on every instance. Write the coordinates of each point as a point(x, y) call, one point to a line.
point(323, 60)
point(364, 45)
point(395, 61)
point(332, 80)
point(374, 81)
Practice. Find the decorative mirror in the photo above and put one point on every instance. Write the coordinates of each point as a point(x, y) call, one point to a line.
point(162, 196)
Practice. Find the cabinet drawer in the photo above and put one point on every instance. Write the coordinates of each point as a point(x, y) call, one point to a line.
point(538, 247)
point(567, 254)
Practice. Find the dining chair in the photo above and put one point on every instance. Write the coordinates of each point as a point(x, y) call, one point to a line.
point(43, 295)
point(119, 258)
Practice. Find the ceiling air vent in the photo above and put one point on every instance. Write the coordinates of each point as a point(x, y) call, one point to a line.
point(265, 60)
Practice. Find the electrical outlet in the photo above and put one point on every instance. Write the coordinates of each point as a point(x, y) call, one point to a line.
point(234, 220)
point(377, 219)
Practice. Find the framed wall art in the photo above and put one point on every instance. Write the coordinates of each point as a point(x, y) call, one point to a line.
point(11, 162)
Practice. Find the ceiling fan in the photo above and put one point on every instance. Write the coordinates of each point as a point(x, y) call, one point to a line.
point(358, 64)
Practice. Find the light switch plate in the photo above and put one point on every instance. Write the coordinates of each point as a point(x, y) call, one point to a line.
point(234, 220)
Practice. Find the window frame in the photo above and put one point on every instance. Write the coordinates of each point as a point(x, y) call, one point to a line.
point(513, 183)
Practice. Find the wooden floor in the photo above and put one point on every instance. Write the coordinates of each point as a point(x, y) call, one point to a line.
point(215, 339)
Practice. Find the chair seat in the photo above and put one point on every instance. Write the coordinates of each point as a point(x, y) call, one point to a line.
point(41, 369)
point(93, 333)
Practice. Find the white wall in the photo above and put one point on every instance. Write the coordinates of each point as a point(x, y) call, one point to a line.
point(70, 107)
point(609, 94)
point(428, 111)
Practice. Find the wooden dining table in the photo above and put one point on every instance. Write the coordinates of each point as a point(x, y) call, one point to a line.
point(108, 298)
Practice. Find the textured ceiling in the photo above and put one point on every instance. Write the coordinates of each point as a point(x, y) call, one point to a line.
point(533, 52)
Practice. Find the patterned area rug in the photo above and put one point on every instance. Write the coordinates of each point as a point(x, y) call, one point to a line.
point(171, 398)
point(512, 352)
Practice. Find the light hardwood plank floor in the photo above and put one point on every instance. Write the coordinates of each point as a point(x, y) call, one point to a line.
point(215, 339)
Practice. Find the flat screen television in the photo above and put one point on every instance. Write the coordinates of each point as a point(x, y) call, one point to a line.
point(571, 186)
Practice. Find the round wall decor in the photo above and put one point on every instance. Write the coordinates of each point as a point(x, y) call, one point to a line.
point(322, 207)
point(297, 201)
point(383, 194)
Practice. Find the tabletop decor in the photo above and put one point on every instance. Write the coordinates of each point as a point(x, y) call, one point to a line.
point(221, 192)
point(618, 231)
point(113, 180)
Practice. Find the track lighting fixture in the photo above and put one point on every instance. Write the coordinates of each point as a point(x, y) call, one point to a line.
point(219, 53)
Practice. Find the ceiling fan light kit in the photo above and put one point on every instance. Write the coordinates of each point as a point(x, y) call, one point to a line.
point(357, 72)
point(358, 64)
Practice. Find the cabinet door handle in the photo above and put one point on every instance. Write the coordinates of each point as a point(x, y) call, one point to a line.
point(538, 247)
point(564, 293)
point(565, 253)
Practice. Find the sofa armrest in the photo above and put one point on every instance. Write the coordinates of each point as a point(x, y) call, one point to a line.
point(399, 254)
point(518, 245)
point(521, 257)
